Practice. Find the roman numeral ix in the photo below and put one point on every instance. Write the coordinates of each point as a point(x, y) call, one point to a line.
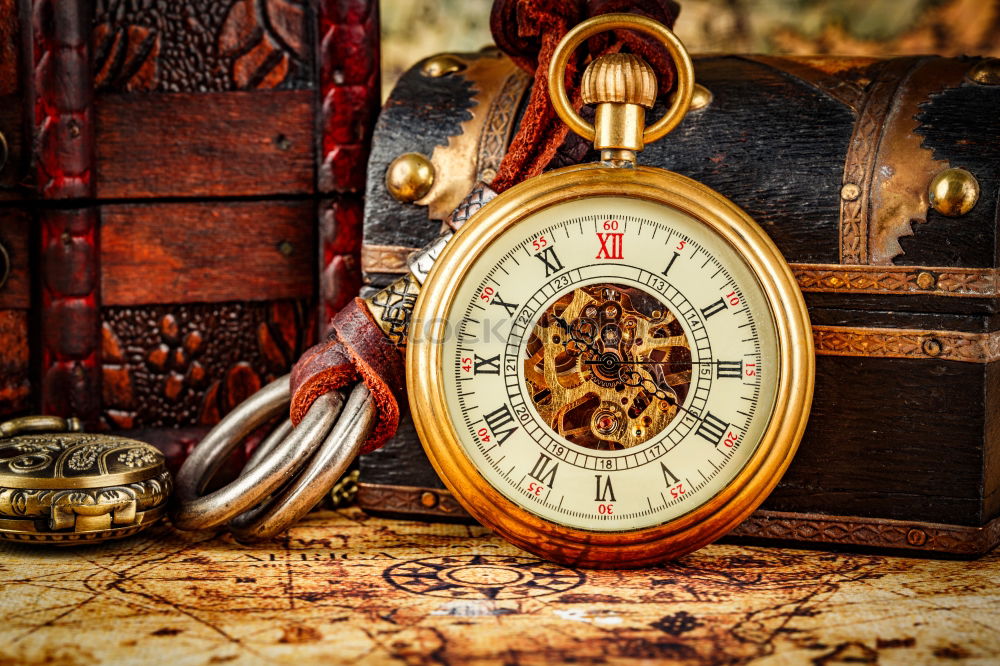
point(487, 366)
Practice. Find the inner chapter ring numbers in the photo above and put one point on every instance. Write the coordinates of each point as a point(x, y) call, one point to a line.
point(611, 369)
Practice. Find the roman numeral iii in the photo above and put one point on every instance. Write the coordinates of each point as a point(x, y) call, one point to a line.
point(728, 369)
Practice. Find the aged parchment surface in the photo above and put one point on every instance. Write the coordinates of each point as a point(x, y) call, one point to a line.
point(342, 587)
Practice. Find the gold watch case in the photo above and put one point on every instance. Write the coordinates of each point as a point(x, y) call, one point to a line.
point(705, 523)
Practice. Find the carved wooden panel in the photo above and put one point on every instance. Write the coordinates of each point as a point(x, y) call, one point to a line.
point(189, 99)
point(11, 113)
point(15, 226)
point(62, 122)
point(201, 45)
point(348, 54)
point(169, 366)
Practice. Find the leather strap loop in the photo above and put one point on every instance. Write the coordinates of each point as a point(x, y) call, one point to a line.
point(322, 368)
point(357, 347)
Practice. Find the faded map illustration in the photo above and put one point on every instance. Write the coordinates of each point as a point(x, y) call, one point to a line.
point(342, 587)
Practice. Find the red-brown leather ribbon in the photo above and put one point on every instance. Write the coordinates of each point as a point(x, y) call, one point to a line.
point(355, 347)
point(528, 31)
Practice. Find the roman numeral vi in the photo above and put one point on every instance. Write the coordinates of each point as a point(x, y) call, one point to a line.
point(604, 493)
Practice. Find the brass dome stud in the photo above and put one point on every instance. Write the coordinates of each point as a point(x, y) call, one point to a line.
point(409, 177)
point(953, 192)
point(985, 72)
point(701, 98)
point(441, 65)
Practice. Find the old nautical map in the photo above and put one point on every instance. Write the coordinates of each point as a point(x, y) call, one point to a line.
point(342, 587)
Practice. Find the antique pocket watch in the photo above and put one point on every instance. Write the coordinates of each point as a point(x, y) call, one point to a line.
point(610, 364)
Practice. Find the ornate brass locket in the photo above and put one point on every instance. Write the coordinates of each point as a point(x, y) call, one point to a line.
point(62, 486)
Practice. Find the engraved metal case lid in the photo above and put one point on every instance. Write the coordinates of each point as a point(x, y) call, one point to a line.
point(68, 488)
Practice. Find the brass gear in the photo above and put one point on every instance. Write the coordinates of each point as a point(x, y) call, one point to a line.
point(607, 366)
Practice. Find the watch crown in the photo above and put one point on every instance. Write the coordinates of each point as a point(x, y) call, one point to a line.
point(620, 78)
point(622, 86)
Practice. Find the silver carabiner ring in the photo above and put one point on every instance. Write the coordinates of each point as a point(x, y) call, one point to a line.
point(271, 469)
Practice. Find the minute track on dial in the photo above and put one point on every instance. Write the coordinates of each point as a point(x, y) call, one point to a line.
point(699, 276)
point(678, 339)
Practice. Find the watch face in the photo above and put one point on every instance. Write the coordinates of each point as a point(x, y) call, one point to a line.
point(609, 364)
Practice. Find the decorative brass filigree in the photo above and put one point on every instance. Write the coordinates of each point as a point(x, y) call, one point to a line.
point(393, 306)
point(607, 366)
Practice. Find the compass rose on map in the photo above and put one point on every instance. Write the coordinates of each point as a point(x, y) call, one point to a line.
point(494, 577)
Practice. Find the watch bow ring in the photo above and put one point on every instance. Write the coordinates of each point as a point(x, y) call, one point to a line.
point(614, 118)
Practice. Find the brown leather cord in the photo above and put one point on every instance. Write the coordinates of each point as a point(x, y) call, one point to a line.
point(380, 364)
point(322, 368)
point(528, 32)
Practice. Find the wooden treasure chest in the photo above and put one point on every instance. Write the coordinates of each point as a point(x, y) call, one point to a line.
point(181, 186)
point(877, 179)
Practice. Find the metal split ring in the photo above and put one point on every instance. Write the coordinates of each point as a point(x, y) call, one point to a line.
point(288, 473)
